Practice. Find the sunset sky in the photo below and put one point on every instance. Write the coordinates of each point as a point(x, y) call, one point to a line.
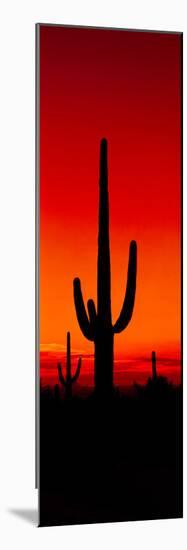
point(125, 86)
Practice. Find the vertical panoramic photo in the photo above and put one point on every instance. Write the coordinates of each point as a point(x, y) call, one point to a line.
point(110, 274)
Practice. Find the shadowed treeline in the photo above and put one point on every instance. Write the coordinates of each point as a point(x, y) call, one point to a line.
point(111, 460)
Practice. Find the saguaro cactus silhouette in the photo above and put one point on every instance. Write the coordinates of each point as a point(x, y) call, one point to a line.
point(69, 380)
point(98, 327)
point(154, 373)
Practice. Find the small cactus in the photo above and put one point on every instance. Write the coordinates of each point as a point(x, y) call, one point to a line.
point(154, 373)
point(69, 380)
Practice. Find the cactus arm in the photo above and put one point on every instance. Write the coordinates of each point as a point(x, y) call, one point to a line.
point(81, 311)
point(92, 312)
point(128, 304)
point(61, 377)
point(76, 375)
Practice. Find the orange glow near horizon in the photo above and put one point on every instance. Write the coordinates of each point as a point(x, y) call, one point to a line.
point(124, 86)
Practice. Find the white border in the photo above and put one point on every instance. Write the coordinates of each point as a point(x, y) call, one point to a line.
point(17, 116)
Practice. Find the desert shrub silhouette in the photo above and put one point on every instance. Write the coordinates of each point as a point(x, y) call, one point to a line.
point(97, 325)
point(70, 379)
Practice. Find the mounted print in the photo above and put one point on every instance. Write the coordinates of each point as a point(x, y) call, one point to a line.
point(109, 274)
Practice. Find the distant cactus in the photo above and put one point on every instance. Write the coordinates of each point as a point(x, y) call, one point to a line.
point(158, 383)
point(97, 326)
point(154, 373)
point(69, 380)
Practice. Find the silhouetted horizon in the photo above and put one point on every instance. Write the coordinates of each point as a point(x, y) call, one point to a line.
point(126, 370)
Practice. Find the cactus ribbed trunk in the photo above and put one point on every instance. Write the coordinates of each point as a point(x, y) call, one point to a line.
point(103, 373)
point(103, 263)
point(104, 334)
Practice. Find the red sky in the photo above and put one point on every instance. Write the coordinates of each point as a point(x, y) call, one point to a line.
point(124, 86)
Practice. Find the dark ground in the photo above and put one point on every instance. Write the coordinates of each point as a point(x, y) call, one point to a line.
point(112, 460)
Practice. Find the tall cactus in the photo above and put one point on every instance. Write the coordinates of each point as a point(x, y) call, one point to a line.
point(69, 380)
point(97, 326)
point(154, 373)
